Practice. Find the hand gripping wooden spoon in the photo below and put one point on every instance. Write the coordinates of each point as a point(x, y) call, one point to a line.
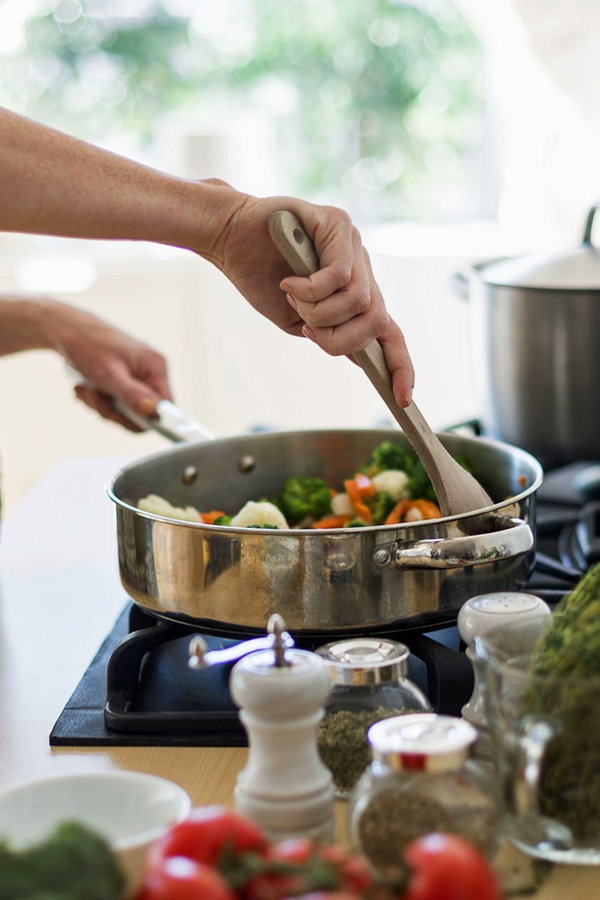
point(456, 489)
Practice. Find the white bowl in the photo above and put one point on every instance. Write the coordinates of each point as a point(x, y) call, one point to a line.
point(130, 810)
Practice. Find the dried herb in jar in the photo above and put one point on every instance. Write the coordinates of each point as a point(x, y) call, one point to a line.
point(342, 742)
point(396, 816)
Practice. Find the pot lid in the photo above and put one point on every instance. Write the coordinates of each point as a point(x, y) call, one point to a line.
point(578, 269)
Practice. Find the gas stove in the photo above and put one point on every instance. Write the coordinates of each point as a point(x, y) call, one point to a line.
point(140, 690)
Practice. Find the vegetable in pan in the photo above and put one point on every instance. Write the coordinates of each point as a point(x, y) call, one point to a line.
point(304, 498)
point(392, 487)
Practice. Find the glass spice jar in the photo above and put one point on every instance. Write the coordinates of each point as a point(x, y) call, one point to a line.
point(421, 780)
point(369, 683)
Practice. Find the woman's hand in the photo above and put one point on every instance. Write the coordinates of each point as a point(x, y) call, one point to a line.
point(112, 364)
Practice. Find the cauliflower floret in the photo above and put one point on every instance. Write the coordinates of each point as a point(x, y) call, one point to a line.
point(158, 506)
point(341, 505)
point(413, 515)
point(393, 482)
point(263, 513)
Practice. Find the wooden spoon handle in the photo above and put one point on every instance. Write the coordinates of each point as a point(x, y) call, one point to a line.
point(457, 491)
point(434, 456)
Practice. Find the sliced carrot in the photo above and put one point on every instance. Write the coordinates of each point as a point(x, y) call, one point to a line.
point(427, 509)
point(208, 518)
point(396, 514)
point(358, 489)
point(331, 522)
point(364, 485)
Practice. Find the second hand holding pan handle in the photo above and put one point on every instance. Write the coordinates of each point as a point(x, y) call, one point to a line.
point(456, 490)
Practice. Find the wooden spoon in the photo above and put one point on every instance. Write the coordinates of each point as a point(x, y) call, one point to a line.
point(457, 490)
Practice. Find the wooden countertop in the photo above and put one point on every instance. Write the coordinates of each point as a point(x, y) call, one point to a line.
point(59, 596)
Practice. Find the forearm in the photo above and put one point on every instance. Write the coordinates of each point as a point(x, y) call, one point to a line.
point(51, 183)
point(24, 324)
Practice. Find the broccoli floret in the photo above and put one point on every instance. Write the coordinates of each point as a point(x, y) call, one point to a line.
point(222, 520)
point(302, 497)
point(389, 455)
point(381, 506)
point(419, 484)
point(74, 863)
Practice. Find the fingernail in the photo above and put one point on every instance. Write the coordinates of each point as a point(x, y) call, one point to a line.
point(147, 407)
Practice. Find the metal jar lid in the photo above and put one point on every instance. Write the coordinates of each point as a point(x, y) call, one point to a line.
point(421, 742)
point(363, 661)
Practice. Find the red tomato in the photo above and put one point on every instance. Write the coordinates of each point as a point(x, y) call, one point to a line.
point(298, 866)
point(326, 895)
point(180, 878)
point(447, 867)
point(285, 873)
point(354, 871)
point(208, 834)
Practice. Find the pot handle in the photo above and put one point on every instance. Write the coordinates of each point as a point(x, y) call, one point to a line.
point(458, 552)
point(459, 283)
point(589, 225)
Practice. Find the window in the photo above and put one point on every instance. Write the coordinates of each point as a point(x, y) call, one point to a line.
point(375, 105)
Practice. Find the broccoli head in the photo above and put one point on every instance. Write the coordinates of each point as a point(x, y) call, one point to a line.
point(419, 484)
point(71, 863)
point(222, 520)
point(381, 506)
point(304, 497)
point(389, 455)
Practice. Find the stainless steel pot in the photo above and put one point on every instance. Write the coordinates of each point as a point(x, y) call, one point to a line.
point(231, 580)
point(536, 330)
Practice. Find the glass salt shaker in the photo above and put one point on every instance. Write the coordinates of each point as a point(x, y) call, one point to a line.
point(421, 780)
point(369, 682)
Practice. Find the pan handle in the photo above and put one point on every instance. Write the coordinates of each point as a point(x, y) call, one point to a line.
point(169, 420)
point(458, 552)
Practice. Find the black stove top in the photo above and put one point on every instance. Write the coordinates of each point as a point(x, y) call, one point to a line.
point(140, 690)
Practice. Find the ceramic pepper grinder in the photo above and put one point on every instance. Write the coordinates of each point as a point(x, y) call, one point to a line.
point(285, 787)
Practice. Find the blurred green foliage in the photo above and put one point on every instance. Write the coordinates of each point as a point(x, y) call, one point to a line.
point(377, 104)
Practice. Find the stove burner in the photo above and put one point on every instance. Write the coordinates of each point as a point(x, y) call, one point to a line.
point(579, 543)
point(150, 687)
point(587, 482)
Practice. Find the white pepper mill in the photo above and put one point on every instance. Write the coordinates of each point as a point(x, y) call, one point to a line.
point(284, 787)
point(484, 613)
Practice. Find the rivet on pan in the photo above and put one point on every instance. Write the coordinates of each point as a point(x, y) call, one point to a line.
point(247, 464)
point(190, 473)
point(381, 557)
